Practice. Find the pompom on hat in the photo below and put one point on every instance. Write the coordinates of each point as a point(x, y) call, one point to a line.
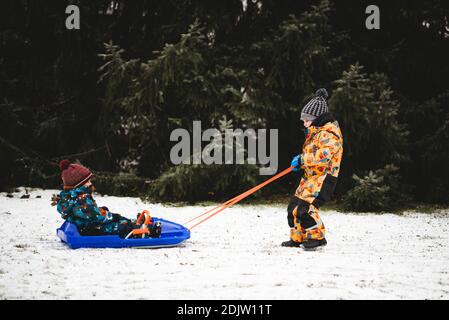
point(73, 175)
point(315, 107)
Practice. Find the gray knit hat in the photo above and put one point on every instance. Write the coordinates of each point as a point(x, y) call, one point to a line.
point(315, 107)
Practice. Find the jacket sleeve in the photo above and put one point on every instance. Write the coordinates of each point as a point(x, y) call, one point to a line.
point(324, 147)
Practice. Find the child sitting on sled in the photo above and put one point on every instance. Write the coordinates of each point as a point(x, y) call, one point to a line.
point(77, 205)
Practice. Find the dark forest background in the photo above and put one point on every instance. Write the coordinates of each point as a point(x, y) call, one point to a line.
point(108, 95)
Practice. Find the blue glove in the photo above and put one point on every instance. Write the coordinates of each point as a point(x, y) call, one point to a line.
point(295, 163)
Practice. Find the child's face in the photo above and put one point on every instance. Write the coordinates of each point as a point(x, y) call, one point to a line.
point(307, 123)
point(90, 187)
point(88, 184)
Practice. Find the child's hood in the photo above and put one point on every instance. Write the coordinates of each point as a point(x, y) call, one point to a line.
point(74, 193)
point(331, 127)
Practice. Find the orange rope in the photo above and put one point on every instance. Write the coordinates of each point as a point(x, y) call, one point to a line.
point(210, 210)
point(238, 198)
point(245, 194)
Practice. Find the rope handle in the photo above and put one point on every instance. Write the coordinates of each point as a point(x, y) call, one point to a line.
point(236, 199)
point(143, 220)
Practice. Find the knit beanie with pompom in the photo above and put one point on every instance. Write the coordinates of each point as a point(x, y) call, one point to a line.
point(315, 107)
point(73, 174)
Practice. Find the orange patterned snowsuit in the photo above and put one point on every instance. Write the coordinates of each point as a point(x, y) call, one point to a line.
point(320, 159)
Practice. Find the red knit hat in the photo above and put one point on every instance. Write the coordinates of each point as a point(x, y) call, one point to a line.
point(73, 174)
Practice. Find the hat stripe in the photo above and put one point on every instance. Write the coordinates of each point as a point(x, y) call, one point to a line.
point(80, 183)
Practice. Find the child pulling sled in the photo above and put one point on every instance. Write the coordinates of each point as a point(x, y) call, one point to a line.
point(320, 158)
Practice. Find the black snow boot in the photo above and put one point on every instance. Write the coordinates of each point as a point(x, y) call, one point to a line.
point(291, 243)
point(156, 230)
point(313, 244)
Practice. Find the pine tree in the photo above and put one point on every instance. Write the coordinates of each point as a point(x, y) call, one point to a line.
point(368, 114)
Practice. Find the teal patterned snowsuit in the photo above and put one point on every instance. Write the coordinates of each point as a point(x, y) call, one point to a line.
point(78, 207)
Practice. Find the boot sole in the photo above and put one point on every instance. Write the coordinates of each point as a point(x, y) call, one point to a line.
point(292, 246)
point(320, 246)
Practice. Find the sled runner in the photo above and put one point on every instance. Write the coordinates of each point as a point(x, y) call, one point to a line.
point(172, 235)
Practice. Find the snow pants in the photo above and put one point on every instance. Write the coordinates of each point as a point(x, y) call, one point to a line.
point(304, 221)
point(118, 226)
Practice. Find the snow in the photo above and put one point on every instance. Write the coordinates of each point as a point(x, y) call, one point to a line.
point(234, 255)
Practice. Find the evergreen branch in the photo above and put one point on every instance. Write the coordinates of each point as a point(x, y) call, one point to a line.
point(82, 153)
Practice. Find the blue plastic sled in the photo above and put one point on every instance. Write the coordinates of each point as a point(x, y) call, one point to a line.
point(172, 234)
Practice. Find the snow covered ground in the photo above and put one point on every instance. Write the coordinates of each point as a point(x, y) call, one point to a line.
point(234, 255)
